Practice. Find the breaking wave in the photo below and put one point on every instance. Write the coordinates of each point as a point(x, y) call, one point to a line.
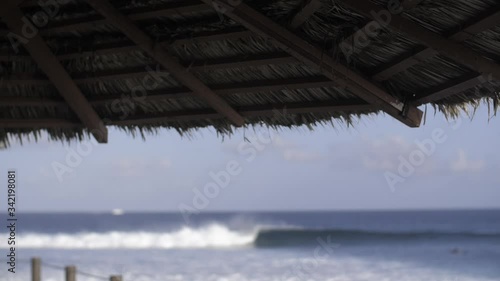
point(213, 236)
point(220, 236)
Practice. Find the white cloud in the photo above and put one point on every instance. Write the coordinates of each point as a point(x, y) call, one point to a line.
point(293, 152)
point(165, 163)
point(462, 164)
point(140, 167)
point(129, 167)
point(300, 155)
point(383, 154)
point(380, 154)
point(282, 143)
point(46, 173)
point(378, 164)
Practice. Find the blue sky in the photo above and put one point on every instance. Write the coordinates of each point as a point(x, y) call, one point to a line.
point(328, 168)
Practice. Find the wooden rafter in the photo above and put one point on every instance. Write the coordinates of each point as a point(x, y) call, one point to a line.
point(410, 4)
point(309, 8)
point(204, 114)
point(253, 111)
point(142, 71)
point(46, 123)
point(166, 60)
point(126, 46)
point(445, 46)
point(315, 57)
point(188, 6)
point(27, 3)
point(350, 41)
point(175, 8)
point(404, 62)
point(485, 22)
point(448, 89)
point(425, 96)
point(167, 94)
point(48, 62)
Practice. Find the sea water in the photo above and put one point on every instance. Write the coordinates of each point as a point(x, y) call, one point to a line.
point(396, 245)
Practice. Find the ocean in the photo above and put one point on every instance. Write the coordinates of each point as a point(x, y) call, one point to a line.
point(284, 246)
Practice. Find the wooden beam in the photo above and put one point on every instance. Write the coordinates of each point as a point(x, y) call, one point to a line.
point(169, 9)
point(403, 63)
point(55, 72)
point(448, 89)
point(32, 102)
point(120, 47)
point(350, 41)
point(46, 123)
point(310, 7)
point(268, 110)
point(275, 85)
point(446, 47)
point(165, 59)
point(177, 93)
point(315, 57)
point(406, 61)
point(142, 71)
point(347, 106)
point(410, 4)
point(485, 21)
point(127, 46)
point(29, 3)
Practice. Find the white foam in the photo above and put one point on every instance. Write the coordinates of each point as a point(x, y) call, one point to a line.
point(212, 236)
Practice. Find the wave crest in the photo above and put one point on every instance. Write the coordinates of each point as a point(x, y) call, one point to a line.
point(221, 236)
point(212, 236)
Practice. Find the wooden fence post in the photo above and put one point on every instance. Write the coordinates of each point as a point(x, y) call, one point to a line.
point(115, 278)
point(70, 273)
point(36, 269)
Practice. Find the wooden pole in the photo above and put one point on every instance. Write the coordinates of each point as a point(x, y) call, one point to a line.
point(35, 269)
point(115, 278)
point(70, 273)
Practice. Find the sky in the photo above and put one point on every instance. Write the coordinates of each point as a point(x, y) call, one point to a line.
point(380, 164)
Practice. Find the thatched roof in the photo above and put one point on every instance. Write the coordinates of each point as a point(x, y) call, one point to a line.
point(254, 73)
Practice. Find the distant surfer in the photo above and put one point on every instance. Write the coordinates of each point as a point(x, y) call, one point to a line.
point(456, 251)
